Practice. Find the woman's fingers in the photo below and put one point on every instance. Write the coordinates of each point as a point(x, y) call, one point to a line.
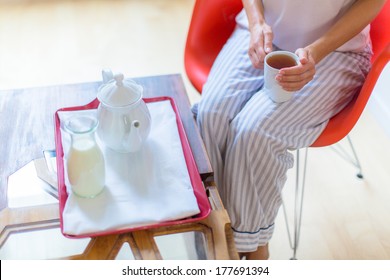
point(295, 82)
point(257, 59)
point(260, 44)
point(296, 77)
point(268, 37)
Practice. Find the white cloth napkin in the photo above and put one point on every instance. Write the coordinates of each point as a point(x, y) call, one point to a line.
point(142, 188)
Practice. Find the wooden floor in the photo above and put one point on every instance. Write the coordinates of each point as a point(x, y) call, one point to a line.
point(58, 42)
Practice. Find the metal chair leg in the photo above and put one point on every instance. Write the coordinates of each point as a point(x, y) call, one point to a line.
point(357, 162)
point(298, 206)
point(300, 188)
point(352, 159)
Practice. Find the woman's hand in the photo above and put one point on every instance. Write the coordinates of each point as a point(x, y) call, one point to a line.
point(296, 77)
point(260, 44)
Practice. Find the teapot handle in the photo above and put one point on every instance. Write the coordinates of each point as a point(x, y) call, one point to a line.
point(107, 75)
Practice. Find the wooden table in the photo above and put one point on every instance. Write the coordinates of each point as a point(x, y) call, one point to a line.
point(29, 218)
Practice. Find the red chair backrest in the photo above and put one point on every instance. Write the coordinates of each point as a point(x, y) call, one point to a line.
point(342, 123)
point(212, 22)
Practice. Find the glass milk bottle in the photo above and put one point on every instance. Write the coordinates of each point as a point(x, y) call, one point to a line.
point(85, 161)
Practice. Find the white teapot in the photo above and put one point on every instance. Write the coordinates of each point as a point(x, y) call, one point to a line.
point(124, 119)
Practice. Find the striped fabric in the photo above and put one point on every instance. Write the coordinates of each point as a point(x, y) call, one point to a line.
point(249, 138)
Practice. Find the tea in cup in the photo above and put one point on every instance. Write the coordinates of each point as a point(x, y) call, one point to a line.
point(273, 62)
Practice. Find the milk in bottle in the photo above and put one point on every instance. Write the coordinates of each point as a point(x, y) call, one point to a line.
point(85, 162)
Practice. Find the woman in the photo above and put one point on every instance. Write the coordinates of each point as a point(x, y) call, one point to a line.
point(248, 137)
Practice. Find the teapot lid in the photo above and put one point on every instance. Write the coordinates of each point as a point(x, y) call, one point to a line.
point(120, 91)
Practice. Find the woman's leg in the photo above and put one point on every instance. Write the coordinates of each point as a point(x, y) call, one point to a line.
point(262, 253)
point(231, 83)
point(261, 135)
point(247, 136)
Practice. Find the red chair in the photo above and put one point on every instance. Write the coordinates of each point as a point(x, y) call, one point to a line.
point(212, 23)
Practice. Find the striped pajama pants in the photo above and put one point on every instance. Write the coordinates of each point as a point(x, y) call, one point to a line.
point(249, 138)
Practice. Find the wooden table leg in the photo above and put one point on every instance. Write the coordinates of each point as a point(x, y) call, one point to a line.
point(144, 240)
point(219, 221)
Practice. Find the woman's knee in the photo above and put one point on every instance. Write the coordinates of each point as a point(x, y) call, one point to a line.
point(211, 118)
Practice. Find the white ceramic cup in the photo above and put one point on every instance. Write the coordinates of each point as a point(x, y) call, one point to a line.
point(273, 62)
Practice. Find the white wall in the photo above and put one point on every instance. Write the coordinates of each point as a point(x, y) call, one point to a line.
point(379, 103)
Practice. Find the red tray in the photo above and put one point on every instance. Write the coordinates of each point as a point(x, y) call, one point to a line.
point(199, 191)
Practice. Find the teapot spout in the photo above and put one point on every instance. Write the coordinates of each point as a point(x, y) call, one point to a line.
point(133, 141)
